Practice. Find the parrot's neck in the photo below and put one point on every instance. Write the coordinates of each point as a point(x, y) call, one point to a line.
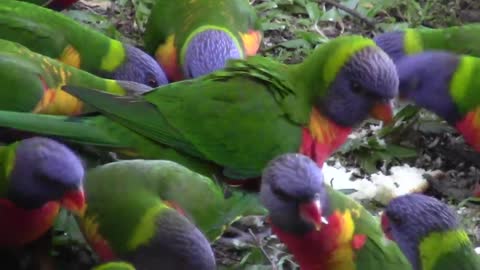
point(469, 127)
point(23, 226)
point(322, 137)
point(332, 247)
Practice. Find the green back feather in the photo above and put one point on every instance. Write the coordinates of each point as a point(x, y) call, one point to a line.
point(182, 17)
point(458, 39)
point(378, 252)
point(7, 161)
point(134, 187)
point(465, 83)
point(448, 250)
point(114, 266)
point(49, 33)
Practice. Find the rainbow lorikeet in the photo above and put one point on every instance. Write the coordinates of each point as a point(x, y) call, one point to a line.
point(457, 39)
point(57, 5)
point(429, 234)
point(32, 82)
point(55, 35)
point(239, 118)
point(194, 38)
point(323, 228)
point(144, 211)
point(446, 84)
point(39, 176)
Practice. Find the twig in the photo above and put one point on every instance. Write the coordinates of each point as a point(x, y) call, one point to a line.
point(350, 11)
point(260, 246)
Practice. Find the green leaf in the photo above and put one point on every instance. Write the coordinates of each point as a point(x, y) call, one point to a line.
point(295, 44)
point(313, 11)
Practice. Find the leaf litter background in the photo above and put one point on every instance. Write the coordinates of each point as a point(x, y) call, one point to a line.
point(417, 153)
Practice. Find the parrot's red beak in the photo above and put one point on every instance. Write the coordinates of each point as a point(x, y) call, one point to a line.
point(383, 111)
point(312, 213)
point(387, 230)
point(74, 201)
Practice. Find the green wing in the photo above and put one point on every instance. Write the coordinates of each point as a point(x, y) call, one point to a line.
point(50, 33)
point(464, 258)
point(378, 252)
point(239, 115)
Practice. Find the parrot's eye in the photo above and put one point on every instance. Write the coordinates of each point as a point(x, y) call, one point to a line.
point(357, 88)
point(394, 219)
point(152, 82)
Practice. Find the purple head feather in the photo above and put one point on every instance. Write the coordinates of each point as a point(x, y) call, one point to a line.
point(367, 79)
point(392, 43)
point(44, 170)
point(141, 68)
point(208, 51)
point(425, 80)
point(413, 217)
point(287, 181)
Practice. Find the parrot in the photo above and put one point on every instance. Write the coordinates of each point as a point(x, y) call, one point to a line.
point(39, 176)
point(32, 82)
point(455, 39)
point(323, 228)
point(238, 118)
point(194, 38)
point(445, 84)
point(429, 233)
point(55, 35)
point(138, 211)
point(57, 5)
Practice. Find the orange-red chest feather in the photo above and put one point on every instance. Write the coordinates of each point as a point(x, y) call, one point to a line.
point(331, 248)
point(57, 101)
point(322, 137)
point(469, 127)
point(90, 229)
point(19, 226)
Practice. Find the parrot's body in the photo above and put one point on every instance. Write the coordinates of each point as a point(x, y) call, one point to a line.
point(194, 38)
point(57, 36)
point(32, 82)
point(457, 39)
point(429, 234)
point(39, 176)
point(446, 84)
point(57, 5)
point(139, 211)
point(323, 228)
point(240, 117)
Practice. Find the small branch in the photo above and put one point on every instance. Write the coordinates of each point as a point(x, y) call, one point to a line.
point(258, 241)
point(350, 11)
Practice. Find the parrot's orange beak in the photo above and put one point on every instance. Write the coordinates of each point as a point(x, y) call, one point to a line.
point(312, 213)
point(74, 201)
point(387, 230)
point(383, 111)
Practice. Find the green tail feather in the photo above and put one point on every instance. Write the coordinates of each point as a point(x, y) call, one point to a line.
point(75, 129)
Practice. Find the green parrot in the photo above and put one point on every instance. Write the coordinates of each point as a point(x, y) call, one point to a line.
point(194, 38)
point(57, 5)
point(323, 228)
point(32, 82)
point(143, 211)
point(456, 39)
point(55, 35)
point(238, 118)
point(429, 233)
